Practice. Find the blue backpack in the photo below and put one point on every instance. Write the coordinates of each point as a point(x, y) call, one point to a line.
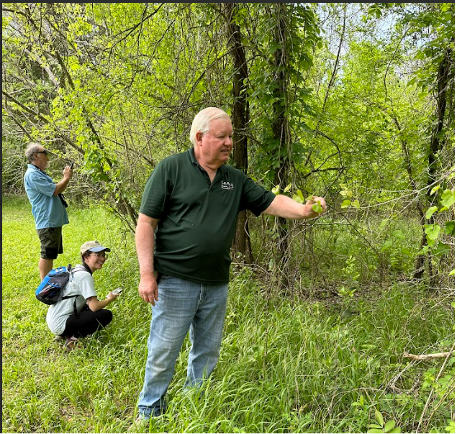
point(51, 288)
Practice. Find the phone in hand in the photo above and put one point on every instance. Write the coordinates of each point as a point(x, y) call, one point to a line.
point(117, 291)
point(72, 165)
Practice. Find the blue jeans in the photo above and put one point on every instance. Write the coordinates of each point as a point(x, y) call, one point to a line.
point(181, 305)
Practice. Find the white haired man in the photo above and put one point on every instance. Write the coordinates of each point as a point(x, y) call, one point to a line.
point(185, 228)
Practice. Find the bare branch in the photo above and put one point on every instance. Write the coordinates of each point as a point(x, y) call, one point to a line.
point(427, 356)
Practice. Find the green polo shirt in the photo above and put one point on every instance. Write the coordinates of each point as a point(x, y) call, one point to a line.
point(197, 218)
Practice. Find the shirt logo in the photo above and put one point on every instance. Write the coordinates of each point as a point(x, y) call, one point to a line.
point(227, 185)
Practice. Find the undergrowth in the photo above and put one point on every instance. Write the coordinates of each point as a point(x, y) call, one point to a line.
point(286, 365)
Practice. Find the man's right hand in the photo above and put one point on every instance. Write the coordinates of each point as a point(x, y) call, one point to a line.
point(148, 289)
point(62, 184)
point(68, 172)
point(145, 238)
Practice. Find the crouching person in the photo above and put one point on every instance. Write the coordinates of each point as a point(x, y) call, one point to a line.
point(80, 313)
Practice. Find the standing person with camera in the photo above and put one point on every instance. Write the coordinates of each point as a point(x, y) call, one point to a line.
point(48, 204)
point(185, 229)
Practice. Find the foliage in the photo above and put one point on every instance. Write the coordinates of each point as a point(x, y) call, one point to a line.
point(109, 100)
point(354, 102)
point(382, 426)
point(285, 365)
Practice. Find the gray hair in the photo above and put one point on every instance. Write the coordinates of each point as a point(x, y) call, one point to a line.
point(31, 150)
point(202, 120)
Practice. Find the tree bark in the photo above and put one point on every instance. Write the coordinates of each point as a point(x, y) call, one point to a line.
point(281, 132)
point(436, 145)
point(240, 118)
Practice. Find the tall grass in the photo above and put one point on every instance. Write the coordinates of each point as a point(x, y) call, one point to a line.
point(285, 365)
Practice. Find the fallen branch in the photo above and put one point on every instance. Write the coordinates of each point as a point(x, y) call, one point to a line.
point(428, 356)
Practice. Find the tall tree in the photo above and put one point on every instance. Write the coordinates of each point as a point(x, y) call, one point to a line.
point(433, 24)
point(280, 122)
point(240, 117)
point(284, 38)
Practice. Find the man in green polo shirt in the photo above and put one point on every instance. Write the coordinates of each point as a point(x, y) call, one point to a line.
point(185, 228)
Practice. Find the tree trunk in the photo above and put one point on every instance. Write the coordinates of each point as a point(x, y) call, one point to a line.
point(240, 118)
point(443, 79)
point(281, 133)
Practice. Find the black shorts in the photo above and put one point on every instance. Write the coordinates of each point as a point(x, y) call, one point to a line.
point(51, 242)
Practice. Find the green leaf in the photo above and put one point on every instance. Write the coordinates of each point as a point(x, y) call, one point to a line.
point(387, 245)
point(449, 228)
point(389, 425)
point(375, 430)
point(317, 207)
point(346, 203)
point(451, 426)
point(436, 188)
point(355, 204)
point(447, 198)
point(451, 273)
point(396, 430)
point(299, 193)
point(276, 190)
point(431, 243)
point(399, 235)
point(287, 188)
point(442, 249)
point(379, 418)
point(424, 250)
point(431, 211)
point(297, 198)
point(346, 193)
point(432, 231)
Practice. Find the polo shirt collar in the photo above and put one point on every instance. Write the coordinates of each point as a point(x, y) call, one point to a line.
point(191, 154)
point(33, 167)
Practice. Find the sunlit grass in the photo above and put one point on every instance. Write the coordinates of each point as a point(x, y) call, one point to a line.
point(285, 365)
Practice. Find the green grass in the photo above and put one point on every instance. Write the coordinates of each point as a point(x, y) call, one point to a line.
point(285, 365)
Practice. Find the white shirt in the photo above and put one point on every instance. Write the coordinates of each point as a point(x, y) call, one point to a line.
point(81, 283)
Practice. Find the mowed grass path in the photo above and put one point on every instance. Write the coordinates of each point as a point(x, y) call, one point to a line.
point(285, 365)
